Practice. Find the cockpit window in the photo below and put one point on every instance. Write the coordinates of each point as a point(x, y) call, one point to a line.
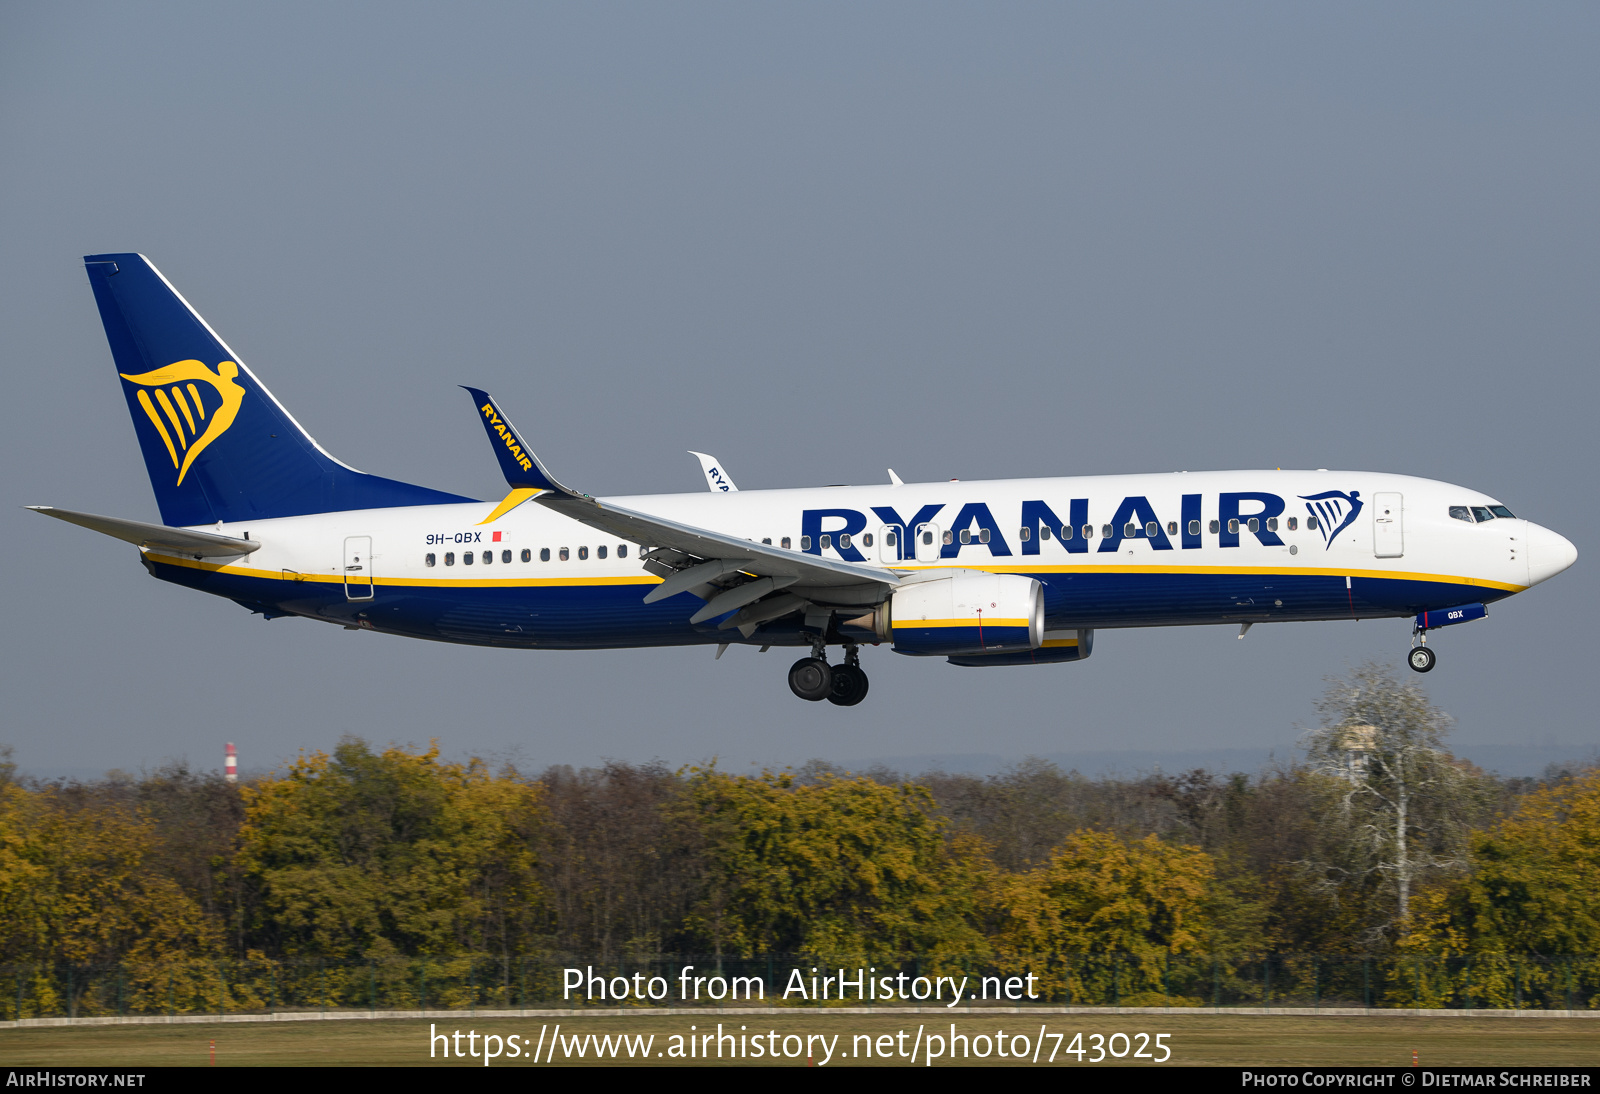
point(1461, 512)
point(1501, 511)
point(1482, 513)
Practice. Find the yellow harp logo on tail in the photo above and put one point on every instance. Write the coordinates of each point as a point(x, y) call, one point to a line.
point(194, 421)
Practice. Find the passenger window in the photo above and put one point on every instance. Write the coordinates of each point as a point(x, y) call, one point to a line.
point(1461, 512)
point(784, 543)
point(866, 540)
point(1482, 513)
point(527, 555)
point(544, 554)
point(1088, 531)
point(467, 558)
point(767, 541)
point(948, 538)
point(1024, 535)
point(505, 556)
point(1172, 527)
point(1255, 525)
point(1233, 527)
point(826, 542)
point(600, 551)
point(1194, 528)
point(1106, 531)
point(1044, 532)
point(1152, 529)
point(966, 536)
point(583, 553)
point(1130, 530)
point(1272, 524)
point(1311, 524)
point(429, 559)
point(563, 554)
point(622, 548)
point(983, 535)
point(805, 543)
point(844, 542)
point(1294, 522)
point(449, 558)
point(1215, 527)
point(488, 557)
point(1497, 510)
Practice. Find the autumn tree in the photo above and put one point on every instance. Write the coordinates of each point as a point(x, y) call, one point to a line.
point(1394, 806)
point(362, 852)
point(840, 867)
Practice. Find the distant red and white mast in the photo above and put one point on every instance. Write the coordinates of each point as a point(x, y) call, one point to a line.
point(230, 766)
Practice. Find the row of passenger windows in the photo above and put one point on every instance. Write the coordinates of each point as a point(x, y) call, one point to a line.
point(846, 540)
point(564, 554)
point(1477, 514)
point(1065, 532)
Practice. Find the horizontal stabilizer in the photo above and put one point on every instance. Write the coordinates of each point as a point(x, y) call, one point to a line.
point(155, 536)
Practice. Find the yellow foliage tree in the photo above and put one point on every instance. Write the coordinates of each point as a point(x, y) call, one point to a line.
point(76, 884)
point(848, 869)
point(1105, 914)
point(366, 854)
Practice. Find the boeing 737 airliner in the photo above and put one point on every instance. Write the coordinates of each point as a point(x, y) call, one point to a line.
point(1012, 572)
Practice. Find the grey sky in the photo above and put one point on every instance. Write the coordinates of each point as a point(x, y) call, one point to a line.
point(968, 241)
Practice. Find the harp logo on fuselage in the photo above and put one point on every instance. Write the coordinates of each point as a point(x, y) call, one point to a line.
point(196, 406)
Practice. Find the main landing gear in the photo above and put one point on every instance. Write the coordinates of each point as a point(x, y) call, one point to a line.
point(813, 679)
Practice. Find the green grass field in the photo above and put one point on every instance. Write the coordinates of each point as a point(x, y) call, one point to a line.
point(1265, 1040)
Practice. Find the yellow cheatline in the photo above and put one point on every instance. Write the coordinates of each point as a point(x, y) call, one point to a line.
point(408, 582)
point(512, 500)
point(1113, 567)
point(973, 621)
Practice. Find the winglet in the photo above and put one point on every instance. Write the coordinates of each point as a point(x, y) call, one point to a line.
point(716, 479)
point(521, 467)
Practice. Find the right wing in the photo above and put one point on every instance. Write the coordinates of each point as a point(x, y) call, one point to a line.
point(754, 581)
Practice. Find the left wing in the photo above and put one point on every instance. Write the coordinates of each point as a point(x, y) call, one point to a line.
point(717, 480)
point(729, 573)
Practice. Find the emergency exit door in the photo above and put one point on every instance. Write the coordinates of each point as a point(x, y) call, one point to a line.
point(1388, 527)
point(358, 568)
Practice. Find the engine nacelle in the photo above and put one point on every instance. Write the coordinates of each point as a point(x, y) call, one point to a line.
point(966, 612)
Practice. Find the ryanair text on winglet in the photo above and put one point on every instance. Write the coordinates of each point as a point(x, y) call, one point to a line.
point(506, 435)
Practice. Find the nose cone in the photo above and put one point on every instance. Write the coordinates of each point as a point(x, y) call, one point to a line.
point(1548, 554)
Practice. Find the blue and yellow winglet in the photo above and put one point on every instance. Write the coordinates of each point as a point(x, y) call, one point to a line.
point(524, 473)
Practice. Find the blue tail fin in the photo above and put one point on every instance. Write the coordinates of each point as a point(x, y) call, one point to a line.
point(216, 443)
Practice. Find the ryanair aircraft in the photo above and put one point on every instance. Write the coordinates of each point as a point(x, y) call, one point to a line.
point(1013, 572)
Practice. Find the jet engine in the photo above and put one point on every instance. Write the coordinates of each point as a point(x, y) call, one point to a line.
point(964, 612)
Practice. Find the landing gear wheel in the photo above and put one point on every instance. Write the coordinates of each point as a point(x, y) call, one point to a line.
point(849, 686)
point(812, 680)
point(1421, 659)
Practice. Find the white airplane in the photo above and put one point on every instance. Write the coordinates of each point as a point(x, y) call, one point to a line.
point(1010, 572)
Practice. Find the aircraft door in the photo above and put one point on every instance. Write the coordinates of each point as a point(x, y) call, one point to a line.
point(929, 542)
point(889, 543)
point(1388, 526)
point(358, 568)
